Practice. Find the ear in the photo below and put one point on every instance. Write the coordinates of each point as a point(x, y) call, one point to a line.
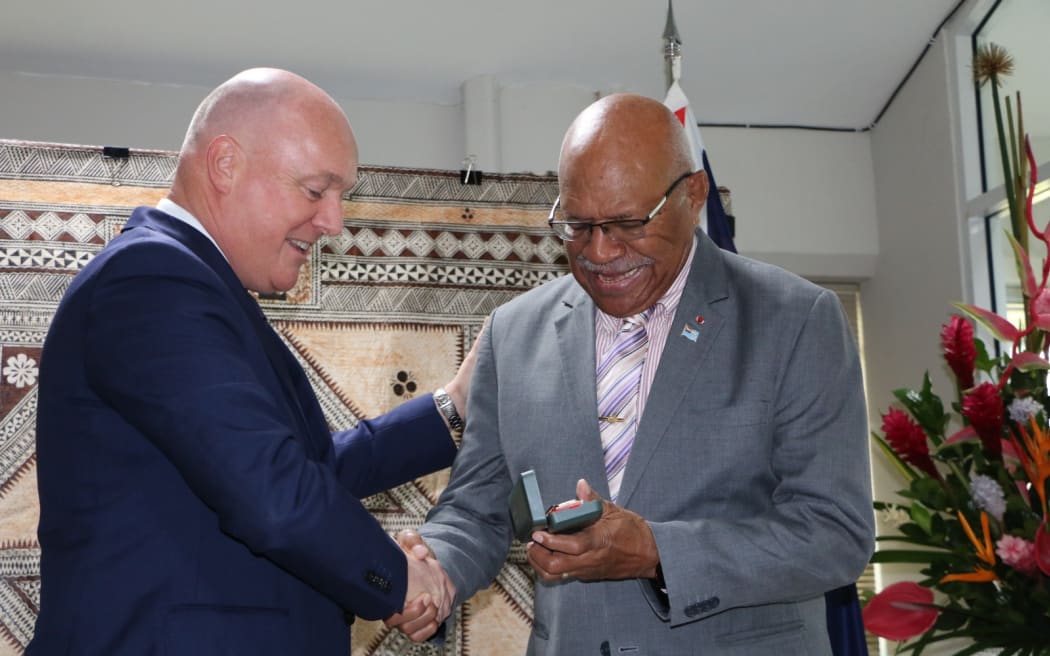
point(224, 159)
point(697, 189)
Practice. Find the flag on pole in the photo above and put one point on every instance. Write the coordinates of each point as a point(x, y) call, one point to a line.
point(713, 217)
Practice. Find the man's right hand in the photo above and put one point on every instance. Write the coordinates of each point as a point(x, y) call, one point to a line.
point(430, 592)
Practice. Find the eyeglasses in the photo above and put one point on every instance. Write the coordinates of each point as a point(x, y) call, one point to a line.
point(618, 229)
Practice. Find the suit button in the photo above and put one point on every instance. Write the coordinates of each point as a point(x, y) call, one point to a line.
point(377, 581)
point(605, 648)
point(692, 610)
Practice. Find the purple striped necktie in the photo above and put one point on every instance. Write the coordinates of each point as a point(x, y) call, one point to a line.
point(619, 377)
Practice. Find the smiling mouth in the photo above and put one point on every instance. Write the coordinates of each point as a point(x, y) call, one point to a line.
point(619, 277)
point(304, 247)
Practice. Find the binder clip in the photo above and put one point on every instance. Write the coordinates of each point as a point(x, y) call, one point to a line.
point(468, 175)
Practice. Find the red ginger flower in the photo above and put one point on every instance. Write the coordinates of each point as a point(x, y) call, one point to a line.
point(908, 440)
point(959, 351)
point(1042, 548)
point(983, 408)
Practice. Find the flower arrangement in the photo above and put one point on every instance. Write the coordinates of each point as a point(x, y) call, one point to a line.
point(975, 511)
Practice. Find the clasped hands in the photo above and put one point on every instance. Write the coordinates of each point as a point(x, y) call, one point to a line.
point(428, 600)
point(620, 545)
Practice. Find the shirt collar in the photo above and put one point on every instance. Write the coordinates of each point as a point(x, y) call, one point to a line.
point(177, 211)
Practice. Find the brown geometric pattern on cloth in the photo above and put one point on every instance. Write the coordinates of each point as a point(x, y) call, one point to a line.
point(382, 312)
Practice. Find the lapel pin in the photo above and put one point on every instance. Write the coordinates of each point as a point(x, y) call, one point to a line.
point(690, 332)
point(699, 319)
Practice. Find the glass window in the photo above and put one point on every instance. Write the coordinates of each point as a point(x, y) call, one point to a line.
point(1021, 27)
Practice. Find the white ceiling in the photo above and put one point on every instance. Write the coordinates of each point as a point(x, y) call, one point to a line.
point(831, 63)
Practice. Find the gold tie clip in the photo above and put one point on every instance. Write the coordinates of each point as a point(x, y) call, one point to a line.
point(610, 419)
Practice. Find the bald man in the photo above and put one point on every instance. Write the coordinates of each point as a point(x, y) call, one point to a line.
point(730, 456)
point(192, 498)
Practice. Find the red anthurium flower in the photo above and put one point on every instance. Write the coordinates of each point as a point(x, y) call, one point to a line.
point(901, 611)
point(959, 350)
point(908, 440)
point(983, 408)
point(1042, 548)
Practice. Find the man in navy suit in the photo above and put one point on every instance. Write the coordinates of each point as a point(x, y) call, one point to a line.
point(192, 497)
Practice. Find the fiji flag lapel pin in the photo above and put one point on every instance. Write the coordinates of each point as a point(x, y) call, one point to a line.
point(691, 332)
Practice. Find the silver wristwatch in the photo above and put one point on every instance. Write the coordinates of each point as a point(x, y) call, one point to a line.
point(448, 409)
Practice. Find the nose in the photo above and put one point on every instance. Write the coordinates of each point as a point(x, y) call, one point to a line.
point(601, 247)
point(329, 217)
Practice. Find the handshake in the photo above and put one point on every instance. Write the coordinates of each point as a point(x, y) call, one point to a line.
point(430, 594)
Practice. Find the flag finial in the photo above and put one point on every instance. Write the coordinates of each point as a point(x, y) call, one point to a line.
point(672, 42)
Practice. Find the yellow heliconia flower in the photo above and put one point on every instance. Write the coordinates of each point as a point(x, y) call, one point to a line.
point(985, 551)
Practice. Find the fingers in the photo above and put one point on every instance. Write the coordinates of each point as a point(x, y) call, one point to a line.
point(620, 545)
point(552, 564)
point(412, 542)
point(584, 491)
point(570, 544)
point(426, 576)
point(418, 620)
point(539, 559)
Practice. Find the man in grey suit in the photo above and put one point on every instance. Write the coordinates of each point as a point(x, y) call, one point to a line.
point(734, 472)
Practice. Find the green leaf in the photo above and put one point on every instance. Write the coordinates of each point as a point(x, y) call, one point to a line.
point(901, 556)
point(926, 407)
point(904, 468)
point(921, 515)
point(931, 493)
point(983, 362)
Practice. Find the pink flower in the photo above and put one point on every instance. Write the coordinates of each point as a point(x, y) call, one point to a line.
point(908, 440)
point(1040, 309)
point(983, 408)
point(901, 611)
point(959, 351)
point(1017, 553)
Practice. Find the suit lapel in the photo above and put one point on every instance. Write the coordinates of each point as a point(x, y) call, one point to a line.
point(287, 370)
point(682, 359)
point(574, 326)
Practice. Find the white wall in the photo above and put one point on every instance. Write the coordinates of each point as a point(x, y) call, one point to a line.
point(919, 268)
point(99, 112)
point(803, 199)
point(918, 271)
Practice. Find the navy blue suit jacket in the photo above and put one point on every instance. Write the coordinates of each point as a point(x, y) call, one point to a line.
point(192, 497)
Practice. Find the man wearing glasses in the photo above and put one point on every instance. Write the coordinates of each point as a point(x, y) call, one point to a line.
point(714, 404)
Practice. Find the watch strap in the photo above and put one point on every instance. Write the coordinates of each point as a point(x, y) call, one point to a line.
point(447, 408)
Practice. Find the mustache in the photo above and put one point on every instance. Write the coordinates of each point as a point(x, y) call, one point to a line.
point(616, 267)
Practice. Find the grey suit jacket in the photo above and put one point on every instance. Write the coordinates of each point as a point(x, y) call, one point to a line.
point(750, 464)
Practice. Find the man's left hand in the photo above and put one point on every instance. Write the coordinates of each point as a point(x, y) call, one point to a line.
point(620, 545)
